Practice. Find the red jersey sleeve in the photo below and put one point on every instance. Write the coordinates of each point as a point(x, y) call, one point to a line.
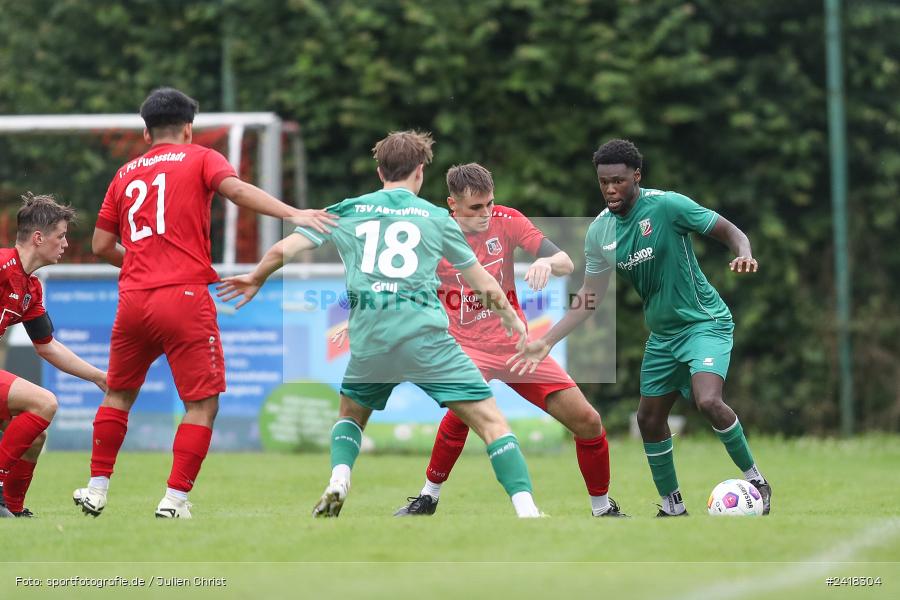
point(216, 168)
point(36, 306)
point(108, 219)
point(523, 232)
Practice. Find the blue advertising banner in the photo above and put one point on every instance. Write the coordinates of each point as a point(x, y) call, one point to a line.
point(282, 371)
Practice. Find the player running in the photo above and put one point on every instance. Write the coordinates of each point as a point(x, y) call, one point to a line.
point(494, 232)
point(391, 242)
point(25, 408)
point(158, 205)
point(645, 234)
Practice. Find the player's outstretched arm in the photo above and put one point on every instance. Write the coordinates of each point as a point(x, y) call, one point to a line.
point(583, 305)
point(106, 245)
point(551, 261)
point(249, 196)
point(491, 295)
point(248, 285)
point(58, 355)
point(737, 241)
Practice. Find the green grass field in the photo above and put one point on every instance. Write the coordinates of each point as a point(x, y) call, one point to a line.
point(835, 513)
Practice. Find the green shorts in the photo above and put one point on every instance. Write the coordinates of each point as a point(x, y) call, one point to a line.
point(433, 361)
point(670, 362)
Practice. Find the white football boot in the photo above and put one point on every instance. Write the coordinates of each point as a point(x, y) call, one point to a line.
point(173, 508)
point(332, 499)
point(91, 500)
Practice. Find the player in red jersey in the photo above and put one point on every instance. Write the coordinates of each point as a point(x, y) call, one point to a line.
point(25, 408)
point(494, 232)
point(158, 205)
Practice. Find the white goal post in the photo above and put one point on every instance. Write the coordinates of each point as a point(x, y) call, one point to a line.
point(270, 128)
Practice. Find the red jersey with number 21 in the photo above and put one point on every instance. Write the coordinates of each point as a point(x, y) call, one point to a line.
point(159, 204)
point(470, 323)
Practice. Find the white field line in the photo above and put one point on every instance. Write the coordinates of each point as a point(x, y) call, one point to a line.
point(795, 572)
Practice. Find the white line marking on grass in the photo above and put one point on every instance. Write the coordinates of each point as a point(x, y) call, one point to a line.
point(802, 570)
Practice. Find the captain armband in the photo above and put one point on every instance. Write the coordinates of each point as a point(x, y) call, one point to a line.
point(40, 330)
point(547, 248)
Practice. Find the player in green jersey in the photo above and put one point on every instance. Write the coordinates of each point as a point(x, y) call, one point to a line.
point(391, 242)
point(645, 235)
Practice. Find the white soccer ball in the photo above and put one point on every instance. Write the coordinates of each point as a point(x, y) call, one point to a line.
point(735, 498)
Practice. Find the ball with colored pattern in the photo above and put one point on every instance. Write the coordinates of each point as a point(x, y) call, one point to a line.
point(735, 498)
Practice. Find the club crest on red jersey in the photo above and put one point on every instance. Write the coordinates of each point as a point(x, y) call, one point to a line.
point(646, 227)
point(26, 302)
point(493, 246)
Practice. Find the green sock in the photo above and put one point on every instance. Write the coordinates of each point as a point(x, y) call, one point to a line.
point(736, 444)
point(509, 464)
point(662, 465)
point(346, 439)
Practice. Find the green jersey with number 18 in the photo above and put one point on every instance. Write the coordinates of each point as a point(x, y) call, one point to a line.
point(651, 248)
point(391, 242)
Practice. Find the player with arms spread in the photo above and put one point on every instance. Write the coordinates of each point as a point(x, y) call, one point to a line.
point(158, 205)
point(645, 235)
point(391, 242)
point(494, 232)
point(25, 408)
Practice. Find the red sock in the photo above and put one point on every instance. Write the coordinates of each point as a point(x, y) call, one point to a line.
point(18, 437)
point(110, 426)
point(593, 460)
point(190, 448)
point(16, 485)
point(448, 445)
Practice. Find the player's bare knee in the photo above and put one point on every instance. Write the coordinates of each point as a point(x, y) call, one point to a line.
point(211, 411)
point(589, 424)
point(120, 399)
point(210, 415)
point(44, 404)
point(708, 403)
point(654, 426)
point(201, 412)
point(353, 411)
point(646, 420)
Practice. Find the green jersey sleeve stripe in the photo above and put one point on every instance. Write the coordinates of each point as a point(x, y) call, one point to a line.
point(467, 263)
point(307, 233)
point(712, 221)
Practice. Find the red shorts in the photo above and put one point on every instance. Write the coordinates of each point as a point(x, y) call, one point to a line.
point(549, 377)
point(6, 380)
point(178, 321)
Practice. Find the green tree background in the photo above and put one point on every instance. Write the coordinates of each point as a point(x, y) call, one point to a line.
point(726, 100)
